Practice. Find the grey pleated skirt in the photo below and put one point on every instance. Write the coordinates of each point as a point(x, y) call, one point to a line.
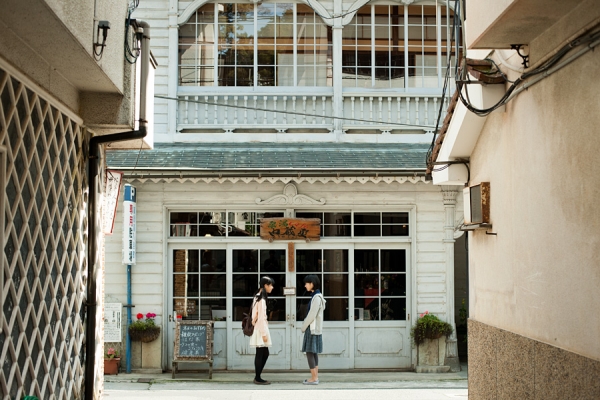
point(312, 343)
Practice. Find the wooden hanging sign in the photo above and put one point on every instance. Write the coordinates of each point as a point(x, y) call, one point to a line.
point(290, 229)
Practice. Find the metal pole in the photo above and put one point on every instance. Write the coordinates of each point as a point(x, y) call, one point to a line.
point(129, 305)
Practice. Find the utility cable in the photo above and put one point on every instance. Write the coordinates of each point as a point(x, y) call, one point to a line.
point(428, 159)
point(589, 39)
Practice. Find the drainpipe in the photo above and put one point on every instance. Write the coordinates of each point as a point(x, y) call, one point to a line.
point(92, 255)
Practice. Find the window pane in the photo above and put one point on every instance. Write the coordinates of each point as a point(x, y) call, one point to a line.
point(212, 309)
point(244, 76)
point(366, 261)
point(395, 218)
point(308, 261)
point(393, 260)
point(213, 285)
point(185, 285)
point(335, 285)
point(245, 285)
point(278, 285)
point(272, 261)
point(245, 261)
point(394, 230)
point(186, 261)
point(335, 261)
point(276, 309)
point(186, 308)
point(241, 307)
point(393, 309)
point(393, 285)
point(245, 55)
point(367, 218)
point(266, 76)
point(336, 310)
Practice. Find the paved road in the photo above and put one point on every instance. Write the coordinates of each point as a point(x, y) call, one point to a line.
point(316, 393)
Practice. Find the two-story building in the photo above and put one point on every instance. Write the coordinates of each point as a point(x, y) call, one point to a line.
point(293, 109)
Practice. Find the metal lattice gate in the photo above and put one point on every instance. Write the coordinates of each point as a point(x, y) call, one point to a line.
point(42, 340)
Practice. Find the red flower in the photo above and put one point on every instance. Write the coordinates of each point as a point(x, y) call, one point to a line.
point(140, 316)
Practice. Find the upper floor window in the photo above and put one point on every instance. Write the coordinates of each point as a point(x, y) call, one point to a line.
point(396, 46)
point(267, 44)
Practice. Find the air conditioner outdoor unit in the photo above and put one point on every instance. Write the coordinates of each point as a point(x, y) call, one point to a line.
point(477, 205)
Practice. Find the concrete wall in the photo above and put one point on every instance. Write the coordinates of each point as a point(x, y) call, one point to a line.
point(539, 276)
point(504, 365)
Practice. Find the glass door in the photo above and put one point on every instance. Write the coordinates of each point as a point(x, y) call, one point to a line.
point(249, 264)
point(197, 290)
point(331, 263)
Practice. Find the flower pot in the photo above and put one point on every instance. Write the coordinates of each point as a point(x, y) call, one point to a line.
point(111, 366)
point(429, 334)
point(146, 336)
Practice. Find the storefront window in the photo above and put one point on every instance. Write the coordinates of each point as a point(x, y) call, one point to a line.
point(331, 266)
point(380, 284)
point(199, 284)
point(248, 268)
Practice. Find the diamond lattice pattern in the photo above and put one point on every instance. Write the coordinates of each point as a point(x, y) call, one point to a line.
point(42, 339)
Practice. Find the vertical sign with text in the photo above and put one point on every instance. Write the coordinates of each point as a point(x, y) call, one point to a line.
point(112, 322)
point(129, 224)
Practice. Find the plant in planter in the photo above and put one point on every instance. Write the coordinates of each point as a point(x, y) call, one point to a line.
point(429, 326)
point(111, 361)
point(144, 329)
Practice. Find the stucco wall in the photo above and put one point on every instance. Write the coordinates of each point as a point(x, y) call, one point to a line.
point(539, 277)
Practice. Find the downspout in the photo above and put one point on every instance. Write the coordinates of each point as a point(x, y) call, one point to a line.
point(92, 256)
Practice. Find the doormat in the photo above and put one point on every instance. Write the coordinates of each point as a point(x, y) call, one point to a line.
point(144, 380)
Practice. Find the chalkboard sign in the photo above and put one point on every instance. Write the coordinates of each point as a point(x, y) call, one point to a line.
point(193, 340)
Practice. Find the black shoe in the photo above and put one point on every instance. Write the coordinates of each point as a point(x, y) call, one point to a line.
point(261, 382)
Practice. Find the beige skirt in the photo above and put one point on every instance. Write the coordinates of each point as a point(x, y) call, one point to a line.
point(256, 339)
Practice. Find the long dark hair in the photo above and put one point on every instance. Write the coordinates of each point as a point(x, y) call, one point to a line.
point(262, 294)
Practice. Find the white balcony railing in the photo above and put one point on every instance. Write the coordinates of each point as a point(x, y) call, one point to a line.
point(359, 111)
point(388, 112)
point(256, 111)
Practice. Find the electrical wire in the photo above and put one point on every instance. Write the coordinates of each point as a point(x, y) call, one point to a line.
point(131, 56)
point(586, 38)
point(210, 103)
point(429, 154)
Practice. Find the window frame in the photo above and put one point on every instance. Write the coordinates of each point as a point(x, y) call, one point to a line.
point(317, 22)
point(410, 67)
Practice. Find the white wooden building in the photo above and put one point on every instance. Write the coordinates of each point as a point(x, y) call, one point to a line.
point(327, 113)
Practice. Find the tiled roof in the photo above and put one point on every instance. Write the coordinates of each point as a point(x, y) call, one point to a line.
point(212, 157)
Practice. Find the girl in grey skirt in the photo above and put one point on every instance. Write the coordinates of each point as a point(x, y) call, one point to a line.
point(312, 327)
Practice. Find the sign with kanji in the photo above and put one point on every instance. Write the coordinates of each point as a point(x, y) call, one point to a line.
point(129, 224)
point(111, 197)
point(290, 229)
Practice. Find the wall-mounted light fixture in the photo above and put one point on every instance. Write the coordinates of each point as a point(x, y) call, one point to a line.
point(104, 26)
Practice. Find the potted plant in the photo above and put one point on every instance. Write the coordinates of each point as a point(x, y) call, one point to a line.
point(111, 361)
point(429, 326)
point(431, 349)
point(144, 329)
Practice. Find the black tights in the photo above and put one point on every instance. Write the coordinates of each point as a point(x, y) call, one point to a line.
point(262, 353)
point(313, 360)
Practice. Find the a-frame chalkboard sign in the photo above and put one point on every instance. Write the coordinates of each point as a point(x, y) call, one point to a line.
point(193, 343)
